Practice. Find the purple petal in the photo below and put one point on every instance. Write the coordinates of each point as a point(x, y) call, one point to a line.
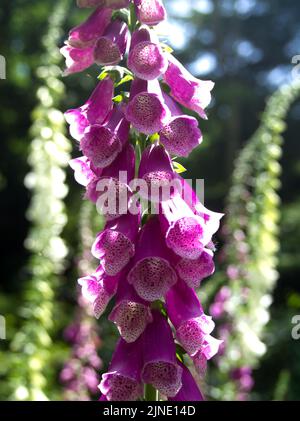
point(150, 12)
point(83, 173)
point(77, 59)
point(181, 135)
point(157, 170)
point(152, 274)
point(194, 271)
point(131, 314)
point(191, 92)
point(115, 246)
point(86, 34)
point(111, 47)
point(122, 382)
point(147, 110)
point(160, 365)
point(189, 391)
point(146, 58)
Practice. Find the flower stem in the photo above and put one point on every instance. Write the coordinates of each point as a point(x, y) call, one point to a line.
point(132, 18)
point(150, 394)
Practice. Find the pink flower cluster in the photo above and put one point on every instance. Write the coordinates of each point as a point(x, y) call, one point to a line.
point(80, 373)
point(150, 266)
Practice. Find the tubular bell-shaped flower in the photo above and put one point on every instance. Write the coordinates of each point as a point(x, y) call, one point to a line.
point(146, 110)
point(102, 143)
point(210, 348)
point(111, 46)
point(181, 134)
point(122, 382)
point(82, 170)
point(87, 33)
point(94, 111)
point(186, 233)
point(191, 92)
point(187, 224)
point(146, 58)
point(150, 12)
point(161, 368)
point(157, 170)
point(98, 289)
point(211, 219)
point(187, 316)
point(131, 313)
point(77, 59)
point(189, 391)
point(194, 271)
point(111, 189)
point(152, 274)
point(115, 246)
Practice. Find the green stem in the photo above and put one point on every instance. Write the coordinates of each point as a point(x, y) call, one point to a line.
point(151, 394)
point(132, 18)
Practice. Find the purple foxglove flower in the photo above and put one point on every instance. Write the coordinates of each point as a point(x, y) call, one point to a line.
point(86, 34)
point(210, 221)
point(77, 59)
point(243, 376)
point(82, 170)
point(185, 88)
point(147, 111)
point(187, 316)
point(217, 310)
point(200, 363)
point(111, 47)
point(152, 274)
point(131, 313)
point(94, 111)
point(115, 246)
point(146, 58)
point(194, 271)
point(210, 346)
point(102, 143)
point(115, 179)
point(186, 233)
point(98, 289)
point(113, 4)
point(189, 391)
point(150, 12)
point(122, 382)
point(181, 134)
point(157, 170)
point(161, 368)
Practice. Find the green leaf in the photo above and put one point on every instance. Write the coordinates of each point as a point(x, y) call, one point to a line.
point(117, 99)
point(153, 138)
point(102, 75)
point(179, 168)
point(117, 73)
point(126, 78)
point(166, 48)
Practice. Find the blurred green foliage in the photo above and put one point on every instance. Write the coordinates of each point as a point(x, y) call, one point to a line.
point(250, 254)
